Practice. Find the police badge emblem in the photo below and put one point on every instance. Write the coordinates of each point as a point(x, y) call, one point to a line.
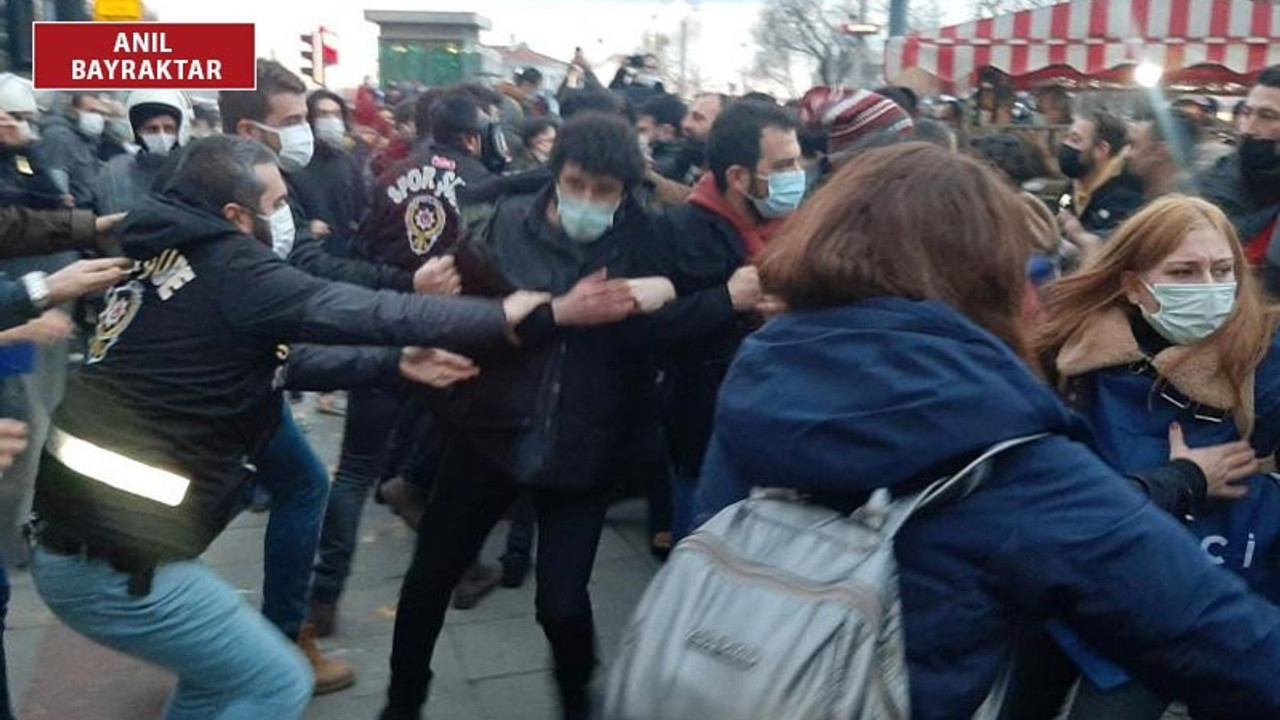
point(424, 220)
point(123, 302)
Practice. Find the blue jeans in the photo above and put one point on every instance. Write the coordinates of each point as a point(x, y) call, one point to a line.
point(371, 417)
point(231, 663)
point(299, 486)
point(6, 712)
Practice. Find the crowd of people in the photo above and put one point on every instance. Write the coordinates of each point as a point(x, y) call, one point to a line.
point(541, 301)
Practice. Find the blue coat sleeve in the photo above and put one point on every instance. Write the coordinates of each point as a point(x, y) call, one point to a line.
point(1131, 581)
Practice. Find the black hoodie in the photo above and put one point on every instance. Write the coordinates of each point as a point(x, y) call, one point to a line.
point(185, 370)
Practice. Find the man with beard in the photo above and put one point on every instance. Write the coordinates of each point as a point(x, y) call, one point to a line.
point(1246, 183)
point(1103, 192)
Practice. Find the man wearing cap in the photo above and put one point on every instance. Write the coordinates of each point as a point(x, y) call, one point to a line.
point(755, 181)
point(853, 120)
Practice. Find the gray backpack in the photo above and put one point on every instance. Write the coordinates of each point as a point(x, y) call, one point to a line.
point(777, 609)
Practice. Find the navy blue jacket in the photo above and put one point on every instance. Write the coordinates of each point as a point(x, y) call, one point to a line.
point(894, 393)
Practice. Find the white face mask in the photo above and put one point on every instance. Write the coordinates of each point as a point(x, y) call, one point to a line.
point(158, 143)
point(1189, 313)
point(92, 124)
point(296, 145)
point(331, 130)
point(282, 230)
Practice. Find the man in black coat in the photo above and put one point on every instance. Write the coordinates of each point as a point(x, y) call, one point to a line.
point(1103, 192)
point(550, 419)
point(714, 238)
point(1246, 183)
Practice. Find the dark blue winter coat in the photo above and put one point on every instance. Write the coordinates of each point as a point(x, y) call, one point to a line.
point(893, 393)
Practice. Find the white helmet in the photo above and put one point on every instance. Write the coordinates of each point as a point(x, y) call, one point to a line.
point(168, 98)
point(16, 94)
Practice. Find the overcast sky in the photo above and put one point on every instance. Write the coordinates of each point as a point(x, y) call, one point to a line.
point(722, 48)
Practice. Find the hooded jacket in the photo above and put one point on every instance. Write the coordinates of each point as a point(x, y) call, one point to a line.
point(185, 370)
point(895, 393)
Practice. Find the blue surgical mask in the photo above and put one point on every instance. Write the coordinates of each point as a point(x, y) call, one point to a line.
point(584, 221)
point(1190, 313)
point(786, 190)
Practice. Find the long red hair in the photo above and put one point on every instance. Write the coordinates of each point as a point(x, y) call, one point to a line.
point(1140, 244)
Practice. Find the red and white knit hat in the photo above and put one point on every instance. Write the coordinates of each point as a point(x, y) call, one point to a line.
point(851, 117)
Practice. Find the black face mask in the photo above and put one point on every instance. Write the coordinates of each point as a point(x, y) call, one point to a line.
point(1260, 166)
point(1072, 162)
point(1259, 156)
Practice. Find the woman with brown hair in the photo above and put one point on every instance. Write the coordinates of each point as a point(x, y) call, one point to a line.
point(901, 358)
point(1164, 345)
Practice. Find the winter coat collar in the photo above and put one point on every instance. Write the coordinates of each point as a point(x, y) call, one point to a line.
point(754, 237)
point(1107, 340)
point(1083, 194)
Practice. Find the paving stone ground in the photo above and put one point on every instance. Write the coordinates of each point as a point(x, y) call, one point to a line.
point(492, 663)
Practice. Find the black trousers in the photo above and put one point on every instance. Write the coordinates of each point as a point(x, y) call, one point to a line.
point(471, 494)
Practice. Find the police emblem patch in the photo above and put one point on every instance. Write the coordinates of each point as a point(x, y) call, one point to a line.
point(424, 220)
point(123, 302)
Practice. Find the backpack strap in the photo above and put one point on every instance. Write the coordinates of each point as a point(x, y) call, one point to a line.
point(954, 488)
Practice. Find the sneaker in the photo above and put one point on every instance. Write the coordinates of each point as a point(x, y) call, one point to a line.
point(515, 568)
point(331, 675)
point(405, 500)
point(322, 617)
point(480, 580)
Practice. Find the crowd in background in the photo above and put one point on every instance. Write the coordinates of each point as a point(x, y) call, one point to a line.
point(598, 255)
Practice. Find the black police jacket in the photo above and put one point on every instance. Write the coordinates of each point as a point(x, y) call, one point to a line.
point(183, 376)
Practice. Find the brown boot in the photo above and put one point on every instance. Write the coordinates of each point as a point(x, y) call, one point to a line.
point(322, 617)
point(405, 499)
point(331, 675)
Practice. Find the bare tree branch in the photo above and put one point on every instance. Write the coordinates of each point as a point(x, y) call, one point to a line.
point(810, 29)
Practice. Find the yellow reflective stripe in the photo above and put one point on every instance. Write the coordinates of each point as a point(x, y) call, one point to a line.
point(116, 470)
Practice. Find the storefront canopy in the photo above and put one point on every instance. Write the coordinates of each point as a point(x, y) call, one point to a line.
point(1197, 42)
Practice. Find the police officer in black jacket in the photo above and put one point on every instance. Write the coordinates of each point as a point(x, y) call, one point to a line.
point(147, 458)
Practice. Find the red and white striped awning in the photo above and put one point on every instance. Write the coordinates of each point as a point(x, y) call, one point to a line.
point(1201, 40)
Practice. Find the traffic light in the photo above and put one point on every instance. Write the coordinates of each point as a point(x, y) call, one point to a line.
point(318, 54)
point(313, 56)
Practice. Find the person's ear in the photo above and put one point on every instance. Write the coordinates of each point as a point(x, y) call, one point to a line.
point(739, 178)
point(236, 215)
point(246, 129)
point(1136, 292)
point(1102, 148)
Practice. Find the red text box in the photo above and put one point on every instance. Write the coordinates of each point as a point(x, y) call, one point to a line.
point(134, 56)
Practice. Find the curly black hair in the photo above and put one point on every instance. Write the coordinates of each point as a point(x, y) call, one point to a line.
point(600, 144)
